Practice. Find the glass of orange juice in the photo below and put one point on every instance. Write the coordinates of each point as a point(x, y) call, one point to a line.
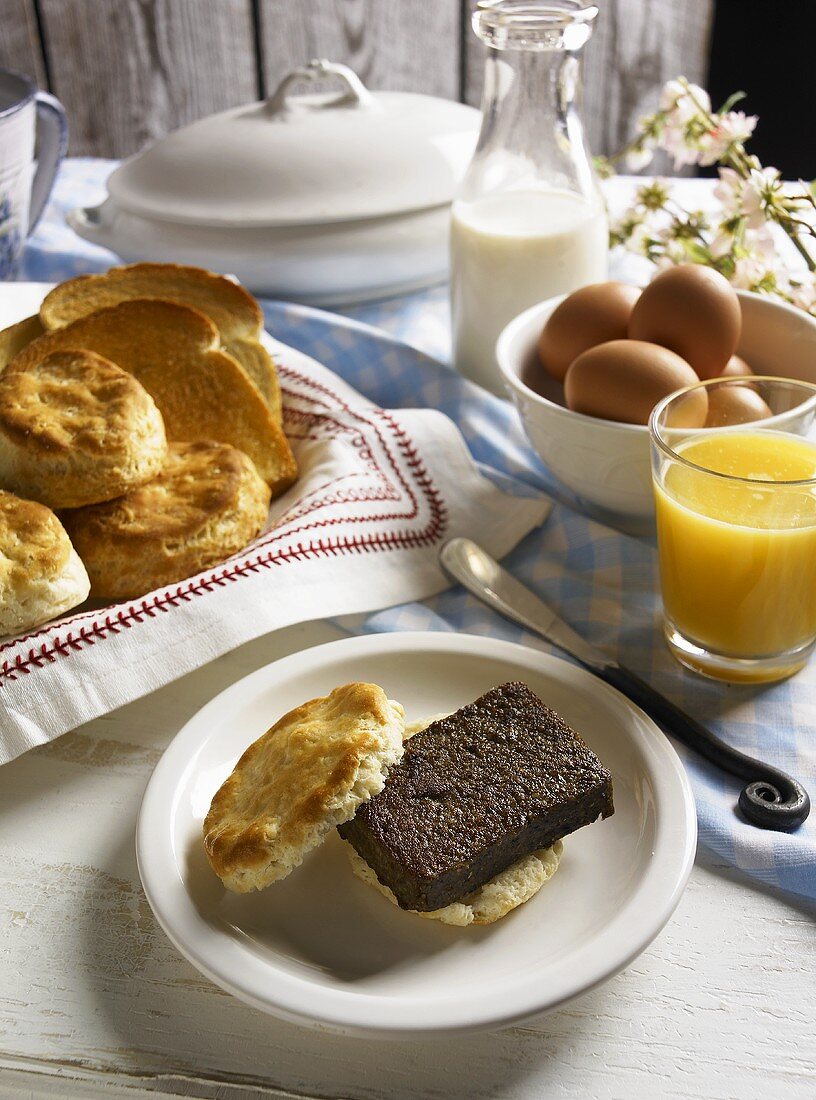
point(736, 525)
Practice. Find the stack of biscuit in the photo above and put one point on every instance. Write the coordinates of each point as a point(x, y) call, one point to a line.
point(143, 409)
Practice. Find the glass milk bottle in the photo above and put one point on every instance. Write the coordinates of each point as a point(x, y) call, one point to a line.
point(528, 221)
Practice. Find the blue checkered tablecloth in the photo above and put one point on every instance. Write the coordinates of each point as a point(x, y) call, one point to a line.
point(603, 582)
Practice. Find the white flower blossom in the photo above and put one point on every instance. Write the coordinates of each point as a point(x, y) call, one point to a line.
point(722, 243)
point(673, 253)
point(735, 126)
point(648, 125)
point(803, 294)
point(729, 191)
point(758, 193)
point(675, 142)
point(760, 242)
point(671, 92)
point(640, 156)
point(678, 99)
point(748, 273)
point(653, 195)
point(640, 239)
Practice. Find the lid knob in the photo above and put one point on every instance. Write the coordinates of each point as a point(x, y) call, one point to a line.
point(356, 93)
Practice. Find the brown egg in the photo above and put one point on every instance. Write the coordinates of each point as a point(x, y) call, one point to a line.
point(692, 310)
point(624, 379)
point(592, 315)
point(734, 405)
point(736, 367)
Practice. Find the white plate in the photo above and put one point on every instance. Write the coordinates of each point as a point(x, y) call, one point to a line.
point(324, 949)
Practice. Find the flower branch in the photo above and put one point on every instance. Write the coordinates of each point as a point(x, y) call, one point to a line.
point(740, 240)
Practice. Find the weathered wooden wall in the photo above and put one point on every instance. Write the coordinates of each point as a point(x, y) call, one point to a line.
point(130, 70)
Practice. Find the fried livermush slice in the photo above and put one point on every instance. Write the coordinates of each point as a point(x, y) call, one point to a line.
point(202, 392)
point(499, 896)
point(41, 575)
point(206, 503)
point(473, 794)
point(486, 904)
point(311, 771)
point(75, 429)
point(232, 308)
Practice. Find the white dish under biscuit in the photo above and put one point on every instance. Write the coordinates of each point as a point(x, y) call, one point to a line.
point(324, 949)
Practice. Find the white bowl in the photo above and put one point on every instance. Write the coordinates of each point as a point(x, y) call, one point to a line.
point(606, 463)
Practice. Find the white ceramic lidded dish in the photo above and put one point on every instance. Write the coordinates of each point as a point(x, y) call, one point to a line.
point(606, 463)
point(318, 198)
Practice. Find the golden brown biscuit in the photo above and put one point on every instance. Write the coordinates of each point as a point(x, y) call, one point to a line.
point(498, 897)
point(75, 429)
point(304, 776)
point(234, 311)
point(41, 575)
point(202, 392)
point(207, 503)
point(15, 338)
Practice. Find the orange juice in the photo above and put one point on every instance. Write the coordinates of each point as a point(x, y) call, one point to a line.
point(738, 557)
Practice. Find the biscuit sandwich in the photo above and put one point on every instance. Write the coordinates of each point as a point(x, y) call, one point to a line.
point(465, 820)
point(75, 429)
point(229, 306)
point(206, 503)
point(41, 574)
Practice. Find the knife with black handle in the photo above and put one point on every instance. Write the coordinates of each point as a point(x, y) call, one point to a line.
point(772, 799)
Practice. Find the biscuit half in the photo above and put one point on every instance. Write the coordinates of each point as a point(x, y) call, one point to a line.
point(206, 503)
point(75, 429)
point(202, 391)
point(41, 574)
point(498, 897)
point(234, 311)
point(305, 775)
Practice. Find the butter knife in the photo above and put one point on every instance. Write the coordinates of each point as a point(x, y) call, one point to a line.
point(772, 799)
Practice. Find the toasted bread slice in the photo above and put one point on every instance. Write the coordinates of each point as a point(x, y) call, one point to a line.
point(15, 338)
point(201, 391)
point(232, 309)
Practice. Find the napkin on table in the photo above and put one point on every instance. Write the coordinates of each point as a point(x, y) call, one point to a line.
point(378, 494)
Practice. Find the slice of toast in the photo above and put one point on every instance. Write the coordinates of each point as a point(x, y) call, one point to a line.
point(201, 390)
point(232, 309)
point(15, 338)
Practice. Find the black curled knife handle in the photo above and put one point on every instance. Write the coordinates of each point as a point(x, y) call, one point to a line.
point(772, 800)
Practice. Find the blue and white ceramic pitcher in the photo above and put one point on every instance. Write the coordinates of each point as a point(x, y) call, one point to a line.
point(26, 116)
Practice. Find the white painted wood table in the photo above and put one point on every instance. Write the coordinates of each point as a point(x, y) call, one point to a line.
point(94, 1000)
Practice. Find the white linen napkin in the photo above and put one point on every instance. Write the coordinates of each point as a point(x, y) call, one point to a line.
point(378, 494)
